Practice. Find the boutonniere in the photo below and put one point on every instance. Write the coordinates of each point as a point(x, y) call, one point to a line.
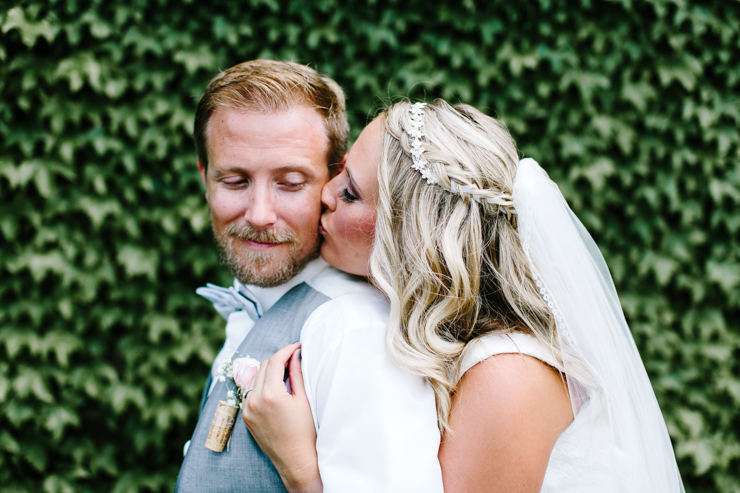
point(240, 371)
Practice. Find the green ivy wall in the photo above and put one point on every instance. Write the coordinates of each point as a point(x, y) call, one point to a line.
point(633, 107)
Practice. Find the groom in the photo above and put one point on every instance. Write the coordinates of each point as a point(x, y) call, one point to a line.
point(269, 135)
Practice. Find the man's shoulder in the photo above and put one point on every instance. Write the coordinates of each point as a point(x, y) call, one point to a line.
point(353, 304)
point(353, 324)
point(335, 284)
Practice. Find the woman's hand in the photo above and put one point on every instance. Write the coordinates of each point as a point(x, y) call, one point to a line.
point(281, 422)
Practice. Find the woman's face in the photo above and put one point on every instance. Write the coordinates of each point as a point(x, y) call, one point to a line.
point(350, 199)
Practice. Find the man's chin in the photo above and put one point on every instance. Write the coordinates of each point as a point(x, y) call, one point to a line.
point(269, 276)
point(265, 269)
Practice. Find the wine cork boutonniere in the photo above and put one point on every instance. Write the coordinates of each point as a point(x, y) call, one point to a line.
point(240, 371)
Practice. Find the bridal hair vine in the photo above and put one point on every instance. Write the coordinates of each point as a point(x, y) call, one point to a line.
point(504, 200)
point(417, 151)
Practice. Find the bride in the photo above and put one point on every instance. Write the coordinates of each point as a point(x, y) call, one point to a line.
point(499, 298)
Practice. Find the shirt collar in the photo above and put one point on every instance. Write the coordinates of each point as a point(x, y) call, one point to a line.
point(269, 296)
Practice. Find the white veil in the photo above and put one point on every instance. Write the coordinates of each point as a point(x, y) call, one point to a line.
point(604, 371)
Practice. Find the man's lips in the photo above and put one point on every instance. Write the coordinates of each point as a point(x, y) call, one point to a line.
point(257, 245)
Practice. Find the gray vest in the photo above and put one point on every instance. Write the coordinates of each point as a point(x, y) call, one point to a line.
point(243, 467)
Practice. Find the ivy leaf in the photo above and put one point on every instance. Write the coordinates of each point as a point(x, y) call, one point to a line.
point(58, 419)
point(201, 57)
point(137, 261)
point(29, 30)
point(726, 274)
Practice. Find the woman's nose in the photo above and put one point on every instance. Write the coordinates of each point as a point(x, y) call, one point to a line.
point(329, 194)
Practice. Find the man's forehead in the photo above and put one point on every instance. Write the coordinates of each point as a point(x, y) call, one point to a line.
point(287, 113)
point(299, 125)
point(267, 142)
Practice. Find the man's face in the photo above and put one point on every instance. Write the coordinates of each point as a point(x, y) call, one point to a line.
point(263, 185)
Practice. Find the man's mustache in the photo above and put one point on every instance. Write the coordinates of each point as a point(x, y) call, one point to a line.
point(247, 232)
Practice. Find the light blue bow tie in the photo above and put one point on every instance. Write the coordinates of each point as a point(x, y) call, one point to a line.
point(229, 300)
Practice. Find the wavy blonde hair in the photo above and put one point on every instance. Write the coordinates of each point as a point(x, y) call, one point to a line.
point(452, 267)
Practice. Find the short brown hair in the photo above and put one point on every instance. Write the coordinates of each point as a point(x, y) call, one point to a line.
point(265, 86)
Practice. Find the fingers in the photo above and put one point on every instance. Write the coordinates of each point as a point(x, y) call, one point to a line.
point(258, 382)
point(249, 406)
point(277, 364)
point(245, 401)
point(268, 382)
point(268, 369)
point(283, 355)
point(296, 374)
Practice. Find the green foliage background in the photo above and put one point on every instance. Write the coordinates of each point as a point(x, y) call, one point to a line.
point(633, 106)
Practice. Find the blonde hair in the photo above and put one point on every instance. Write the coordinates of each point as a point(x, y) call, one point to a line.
point(264, 86)
point(452, 267)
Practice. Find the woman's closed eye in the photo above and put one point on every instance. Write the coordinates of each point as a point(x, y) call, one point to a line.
point(346, 196)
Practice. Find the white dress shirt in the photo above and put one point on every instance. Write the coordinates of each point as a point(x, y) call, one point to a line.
point(376, 423)
point(240, 323)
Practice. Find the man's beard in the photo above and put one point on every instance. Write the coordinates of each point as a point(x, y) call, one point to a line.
point(261, 268)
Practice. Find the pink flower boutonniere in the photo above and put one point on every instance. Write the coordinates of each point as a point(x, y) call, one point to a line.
point(240, 371)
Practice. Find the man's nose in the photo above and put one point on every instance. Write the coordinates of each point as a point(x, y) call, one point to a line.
point(260, 213)
point(329, 195)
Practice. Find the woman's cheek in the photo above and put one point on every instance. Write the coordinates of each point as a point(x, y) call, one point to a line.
point(364, 233)
point(367, 229)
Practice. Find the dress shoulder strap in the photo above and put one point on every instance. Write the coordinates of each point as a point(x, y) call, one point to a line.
point(515, 342)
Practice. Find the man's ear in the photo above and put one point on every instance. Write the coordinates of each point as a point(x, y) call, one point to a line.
point(203, 177)
point(338, 168)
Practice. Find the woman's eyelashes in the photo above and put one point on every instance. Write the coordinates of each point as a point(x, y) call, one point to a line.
point(346, 196)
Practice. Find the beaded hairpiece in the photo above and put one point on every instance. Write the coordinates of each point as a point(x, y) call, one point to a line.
point(417, 152)
point(504, 200)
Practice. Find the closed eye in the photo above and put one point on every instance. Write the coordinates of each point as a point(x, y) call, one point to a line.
point(346, 196)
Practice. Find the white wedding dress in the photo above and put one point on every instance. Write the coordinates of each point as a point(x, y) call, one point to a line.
point(618, 441)
point(582, 459)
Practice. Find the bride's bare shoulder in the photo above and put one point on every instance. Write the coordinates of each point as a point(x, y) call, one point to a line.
point(512, 380)
point(508, 412)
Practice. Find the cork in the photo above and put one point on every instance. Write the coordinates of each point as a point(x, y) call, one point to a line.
point(223, 422)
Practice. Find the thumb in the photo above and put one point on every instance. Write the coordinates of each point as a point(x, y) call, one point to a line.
point(296, 374)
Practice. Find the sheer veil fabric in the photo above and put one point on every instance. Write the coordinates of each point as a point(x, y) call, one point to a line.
point(604, 371)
